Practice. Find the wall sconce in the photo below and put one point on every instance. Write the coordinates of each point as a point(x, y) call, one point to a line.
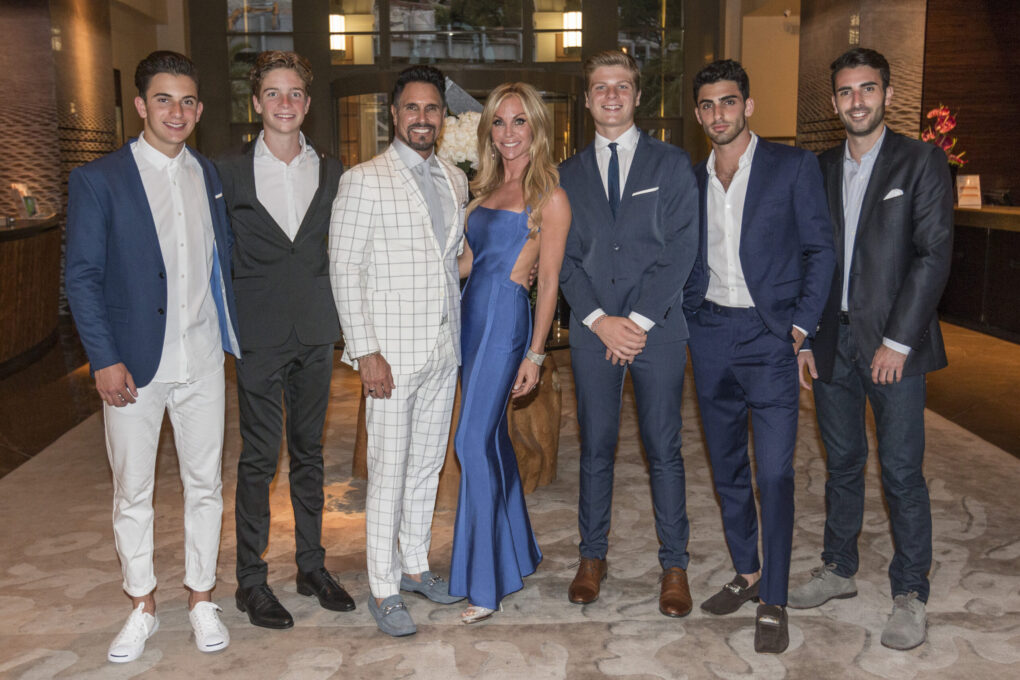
point(337, 39)
point(571, 29)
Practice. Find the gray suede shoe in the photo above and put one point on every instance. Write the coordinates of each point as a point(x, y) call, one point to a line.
point(392, 616)
point(432, 586)
point(824, 585)
point(905, 628)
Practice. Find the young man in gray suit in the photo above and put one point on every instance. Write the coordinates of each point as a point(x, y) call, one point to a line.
point(891, 203)
point(632, 242)
point(279, 194)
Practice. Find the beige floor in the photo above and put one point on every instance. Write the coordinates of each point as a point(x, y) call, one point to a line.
point(60, 599)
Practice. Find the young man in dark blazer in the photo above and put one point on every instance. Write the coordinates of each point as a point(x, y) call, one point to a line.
point(632, 242)
point(757, 290)
point(891, 203)
point(279, 194)
point(148, 281)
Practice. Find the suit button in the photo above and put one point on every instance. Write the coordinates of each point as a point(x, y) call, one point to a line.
point(160, 311)
point(612, 281)
point(293, 250)
point(162, 275)
point(616, 246)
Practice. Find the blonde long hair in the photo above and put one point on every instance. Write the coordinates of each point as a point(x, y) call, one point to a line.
point(541, 178)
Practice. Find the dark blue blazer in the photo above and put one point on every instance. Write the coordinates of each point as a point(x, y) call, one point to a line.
point(116, 279)
point(639, 261)
point(786, 249)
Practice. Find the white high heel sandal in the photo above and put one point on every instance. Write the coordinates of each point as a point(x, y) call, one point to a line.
point(475, 613)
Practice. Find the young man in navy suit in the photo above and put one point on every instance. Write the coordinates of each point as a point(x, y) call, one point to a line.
point(892, 214)
point(279, 193)
point(632, 242)
point(757, 290)
point(148, 280)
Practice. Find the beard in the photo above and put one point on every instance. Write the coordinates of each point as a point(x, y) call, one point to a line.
point(421, 141)
point(726, 136)
point(864, 126)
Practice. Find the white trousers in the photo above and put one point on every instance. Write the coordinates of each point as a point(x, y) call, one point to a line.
point(132, 437)
point(407, 438)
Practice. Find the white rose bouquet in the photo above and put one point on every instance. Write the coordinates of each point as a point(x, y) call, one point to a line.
point(459, 141)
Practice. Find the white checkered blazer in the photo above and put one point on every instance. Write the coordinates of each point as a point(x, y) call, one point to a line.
point(392, 280)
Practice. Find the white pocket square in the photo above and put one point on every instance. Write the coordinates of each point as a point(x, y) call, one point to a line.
point(645, 191)
point(893, 194)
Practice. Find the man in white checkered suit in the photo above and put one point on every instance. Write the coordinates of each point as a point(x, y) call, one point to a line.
point(396, 230)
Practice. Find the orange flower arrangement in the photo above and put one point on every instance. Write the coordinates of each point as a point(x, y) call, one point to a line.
point(938, 134)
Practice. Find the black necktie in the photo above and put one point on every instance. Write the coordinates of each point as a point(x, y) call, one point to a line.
point(614, 178)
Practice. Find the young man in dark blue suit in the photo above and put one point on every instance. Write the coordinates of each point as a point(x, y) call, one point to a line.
point(632, 242)
point(148, 281)
point(757, 290)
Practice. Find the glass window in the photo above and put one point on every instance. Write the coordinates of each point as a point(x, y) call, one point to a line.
point(260, 16)
point(364, 127)
point(557, 26)
point(456, 46)
point(652, 32)
point(353, 32)
point(455, 15)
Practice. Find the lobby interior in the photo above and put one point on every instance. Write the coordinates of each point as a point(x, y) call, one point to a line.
point(59, 580)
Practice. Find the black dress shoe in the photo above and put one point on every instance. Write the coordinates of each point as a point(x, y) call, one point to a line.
point(732, 596)
point(262, 607)
point(322, 585)
point(771, 630)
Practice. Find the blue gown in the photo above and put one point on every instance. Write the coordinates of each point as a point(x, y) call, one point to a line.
point(494, 547)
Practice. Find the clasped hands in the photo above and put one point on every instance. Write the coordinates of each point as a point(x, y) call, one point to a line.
point(623, 338)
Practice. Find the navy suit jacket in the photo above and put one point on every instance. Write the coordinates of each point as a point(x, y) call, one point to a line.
point(115, 277)
point(639, 261)
point(786, 249)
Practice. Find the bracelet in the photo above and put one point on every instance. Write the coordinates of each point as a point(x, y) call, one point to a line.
point(365, 356)
point(596, 322)
point(534, 357)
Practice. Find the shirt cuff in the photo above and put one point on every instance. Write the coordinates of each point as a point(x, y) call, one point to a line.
point(590, 319)
point(801, 330)
point(892, 344)
point(643, 321)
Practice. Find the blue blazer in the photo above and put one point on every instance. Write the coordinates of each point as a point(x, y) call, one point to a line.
point(116, 279)
point(639, 261)
point(786, 249)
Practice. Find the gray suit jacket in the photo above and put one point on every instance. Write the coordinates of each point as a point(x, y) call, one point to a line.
point(901, 255)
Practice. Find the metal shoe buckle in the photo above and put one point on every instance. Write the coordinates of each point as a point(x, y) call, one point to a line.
point(734, 588)
point(768, 619)
point(392, 608)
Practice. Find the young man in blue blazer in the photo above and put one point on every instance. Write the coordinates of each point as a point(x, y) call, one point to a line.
point(757, 290)
point(148, 281)
point(632, 242)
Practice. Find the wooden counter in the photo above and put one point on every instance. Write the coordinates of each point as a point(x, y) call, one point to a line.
point(29, 290)
point(985, 275)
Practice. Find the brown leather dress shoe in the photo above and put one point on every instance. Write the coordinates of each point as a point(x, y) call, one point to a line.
point(591, 572)
point(675, 598)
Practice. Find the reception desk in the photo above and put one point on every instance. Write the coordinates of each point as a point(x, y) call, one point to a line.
point(29, 290)
point(985, 275)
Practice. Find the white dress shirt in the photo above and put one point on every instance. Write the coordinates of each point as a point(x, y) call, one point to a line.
point(286, 190)
point(856, 177)
point(192, 347)
point(725, 214)
point(626, 146)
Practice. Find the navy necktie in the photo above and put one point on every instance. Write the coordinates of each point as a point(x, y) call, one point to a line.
point(614, 178)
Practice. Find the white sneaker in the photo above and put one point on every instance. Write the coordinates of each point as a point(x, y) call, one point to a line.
point(130, 641)
point(210, 633)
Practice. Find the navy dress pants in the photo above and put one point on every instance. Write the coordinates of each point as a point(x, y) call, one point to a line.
point(740, 365)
